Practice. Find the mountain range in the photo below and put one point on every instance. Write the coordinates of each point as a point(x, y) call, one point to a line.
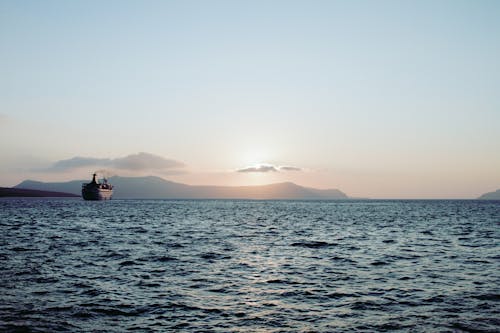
point(22, 192)
point(491, 196)
point(152, 187)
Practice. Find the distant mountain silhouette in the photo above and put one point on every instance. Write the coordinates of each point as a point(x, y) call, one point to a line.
point(491, 196)
point(157, 188)
point(74, 186)
point(22, 192)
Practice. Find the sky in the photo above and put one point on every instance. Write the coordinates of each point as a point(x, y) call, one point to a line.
point(380, 99)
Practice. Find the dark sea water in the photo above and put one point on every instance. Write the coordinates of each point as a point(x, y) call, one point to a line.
point(249, 266)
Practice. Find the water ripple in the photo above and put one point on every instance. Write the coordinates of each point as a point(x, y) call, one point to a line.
point(246, 266)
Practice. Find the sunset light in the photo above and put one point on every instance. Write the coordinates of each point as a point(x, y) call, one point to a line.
point(249, 166)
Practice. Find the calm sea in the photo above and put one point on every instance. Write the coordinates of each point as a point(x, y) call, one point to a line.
point(67, 265)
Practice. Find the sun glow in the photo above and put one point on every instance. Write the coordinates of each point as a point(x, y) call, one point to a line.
point(254, 158)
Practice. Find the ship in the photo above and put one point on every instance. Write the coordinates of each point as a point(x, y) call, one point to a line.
point(96, 190)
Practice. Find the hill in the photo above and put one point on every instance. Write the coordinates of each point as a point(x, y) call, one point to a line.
point(491, 196)
point(23, 192)
point(158, 188)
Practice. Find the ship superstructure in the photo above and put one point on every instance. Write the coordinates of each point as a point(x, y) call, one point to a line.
point(96, 190)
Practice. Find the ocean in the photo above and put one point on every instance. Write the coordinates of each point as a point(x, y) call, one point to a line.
point(68, 265)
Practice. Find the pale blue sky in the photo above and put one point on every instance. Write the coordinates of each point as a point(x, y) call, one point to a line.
point(376, 98)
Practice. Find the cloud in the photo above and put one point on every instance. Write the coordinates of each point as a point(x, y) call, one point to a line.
point(268, 168)
point(289, 168)
point(79, 162)
point(145, 161)
point(134, 162)
point(259, 168)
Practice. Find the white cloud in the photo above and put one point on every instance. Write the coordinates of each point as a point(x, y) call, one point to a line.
point(268, 168)
point(259, 168)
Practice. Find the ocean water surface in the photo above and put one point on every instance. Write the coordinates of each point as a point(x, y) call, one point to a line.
point(67, 265)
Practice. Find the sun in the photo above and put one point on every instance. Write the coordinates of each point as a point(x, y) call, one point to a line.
point(255, 157)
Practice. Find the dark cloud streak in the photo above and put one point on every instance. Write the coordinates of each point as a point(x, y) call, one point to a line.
point(142, 161)
point(78, 162)
point(289, 168)
point(134, 162)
